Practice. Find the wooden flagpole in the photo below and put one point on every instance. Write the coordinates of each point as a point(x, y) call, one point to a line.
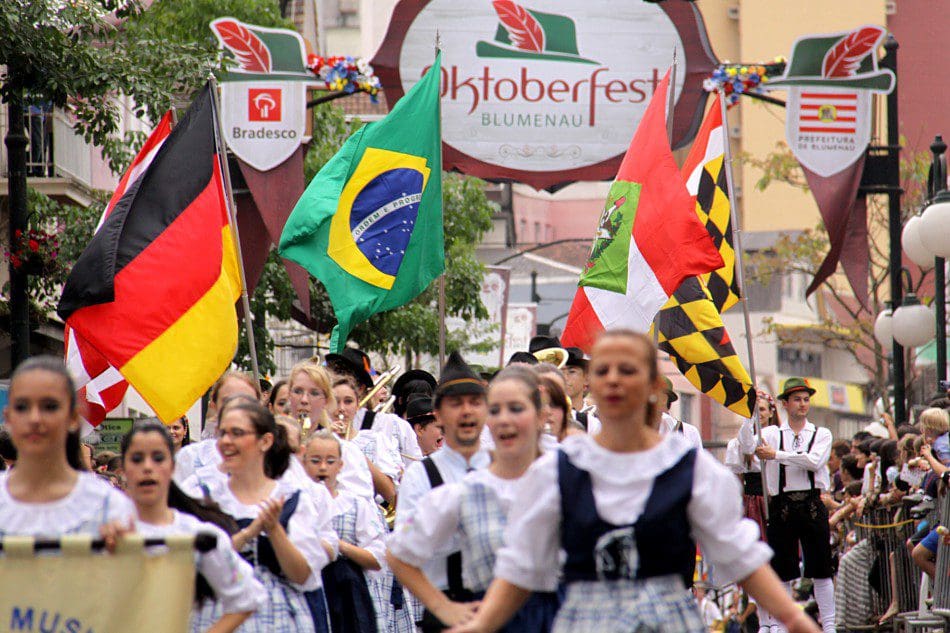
point(232, 214)
point(737, 241)
point(438, 49)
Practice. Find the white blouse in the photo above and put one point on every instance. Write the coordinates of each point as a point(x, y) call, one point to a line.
point(91, 504)
point(621, 485)
point(231, 577)
point(370, 530)
point(307, 524)
point(431, 530)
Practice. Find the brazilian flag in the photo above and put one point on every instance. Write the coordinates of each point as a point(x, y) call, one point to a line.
point(369, 225)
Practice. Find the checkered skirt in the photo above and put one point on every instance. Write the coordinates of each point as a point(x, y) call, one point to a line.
point(652, 605)
point(285, 610)
point(482, 523)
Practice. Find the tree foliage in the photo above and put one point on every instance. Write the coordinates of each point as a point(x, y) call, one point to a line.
point(843, 323)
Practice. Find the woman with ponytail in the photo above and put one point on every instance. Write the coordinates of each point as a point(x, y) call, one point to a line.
point(163, 509)
point(282, 529)
point(49, 493)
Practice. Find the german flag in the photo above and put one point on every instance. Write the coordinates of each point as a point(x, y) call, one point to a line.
point(155, 290)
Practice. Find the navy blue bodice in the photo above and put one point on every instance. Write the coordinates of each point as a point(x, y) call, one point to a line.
point(657, 544)
point(263, 553)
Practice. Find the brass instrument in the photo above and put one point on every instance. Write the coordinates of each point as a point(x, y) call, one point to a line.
point(386, 407)
point(556, 356)
point(387, 376)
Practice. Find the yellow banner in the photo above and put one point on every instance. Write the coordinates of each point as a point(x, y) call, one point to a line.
point(76, 590)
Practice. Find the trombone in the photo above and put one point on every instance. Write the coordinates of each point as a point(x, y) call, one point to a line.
point(388, 376)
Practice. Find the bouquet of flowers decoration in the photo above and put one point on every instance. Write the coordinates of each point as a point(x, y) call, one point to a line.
point(345, 74)
point(34, 252)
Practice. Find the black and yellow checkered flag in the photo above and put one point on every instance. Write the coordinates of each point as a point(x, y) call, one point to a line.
point(712, 207)
point(692, 333)
point(690, 325)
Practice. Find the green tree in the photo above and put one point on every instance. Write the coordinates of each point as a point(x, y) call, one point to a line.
point(843, 323)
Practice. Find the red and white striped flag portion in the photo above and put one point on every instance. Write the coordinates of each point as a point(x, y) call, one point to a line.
point(99, 386)
point(828, 112)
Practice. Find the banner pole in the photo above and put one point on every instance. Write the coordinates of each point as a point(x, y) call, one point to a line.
point(438, 49)
point(232, 215)
point(737, 240)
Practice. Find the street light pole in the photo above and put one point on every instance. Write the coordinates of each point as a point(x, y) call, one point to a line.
point(938, 182)
point(894, 192)
point(17, 200)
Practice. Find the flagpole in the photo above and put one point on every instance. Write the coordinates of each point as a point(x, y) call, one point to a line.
point(232, 214)
point(670, 102)
point(438, 49)
point(737, 240)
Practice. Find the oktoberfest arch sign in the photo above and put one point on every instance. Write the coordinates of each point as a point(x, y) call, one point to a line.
point(547, 92)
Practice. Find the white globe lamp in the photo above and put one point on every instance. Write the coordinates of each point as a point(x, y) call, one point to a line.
point(913, 323)
point(935, 226)
point(913, 246)
point(883, 328)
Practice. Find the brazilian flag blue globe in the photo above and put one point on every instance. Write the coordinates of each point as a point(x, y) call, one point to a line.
point(369, 225)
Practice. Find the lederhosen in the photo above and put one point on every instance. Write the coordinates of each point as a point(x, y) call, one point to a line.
point(456, 591)
point(799, 517)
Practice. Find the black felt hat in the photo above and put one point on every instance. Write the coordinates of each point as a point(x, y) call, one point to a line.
point(539, 343)
point(575, 358)
point(401, 391)
point(523, 357)
point(458, 379)
point(419, 408)
point(351, 362)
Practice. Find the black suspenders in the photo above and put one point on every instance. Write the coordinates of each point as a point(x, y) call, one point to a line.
point(454, 560)
point(367, 424)
point(781, 467)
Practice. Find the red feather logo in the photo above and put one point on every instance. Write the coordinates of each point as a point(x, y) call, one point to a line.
point(844, 58)
point(250, 51)
point(525, 31)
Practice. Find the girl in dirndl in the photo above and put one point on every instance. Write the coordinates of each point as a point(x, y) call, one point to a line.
point(362, 541)
point(49, 493)
point(470, 516)
point(393, 611)
point(283, 530)
point(163, 509)
point(625, 507)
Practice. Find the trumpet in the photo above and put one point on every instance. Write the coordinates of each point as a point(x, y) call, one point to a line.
point(388, 376)
point(386, 407)
point(556, 356)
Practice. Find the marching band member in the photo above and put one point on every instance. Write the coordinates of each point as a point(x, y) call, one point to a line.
point(163, 509)
point(473, 513)
point(354, 363)
point(625, 506)
point(311, 398)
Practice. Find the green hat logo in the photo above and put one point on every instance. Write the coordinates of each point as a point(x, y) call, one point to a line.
point(257, 51)
point(529, 34)
point(846, 60)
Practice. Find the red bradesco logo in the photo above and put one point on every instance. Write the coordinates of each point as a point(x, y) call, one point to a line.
point(263, 104)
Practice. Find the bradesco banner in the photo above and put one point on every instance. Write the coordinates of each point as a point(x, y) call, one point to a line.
point(547, 92)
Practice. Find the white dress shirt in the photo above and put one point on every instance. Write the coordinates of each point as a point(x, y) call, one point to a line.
point(668, 425)
point(415, 484)
point(798, 463)
point(401, 431)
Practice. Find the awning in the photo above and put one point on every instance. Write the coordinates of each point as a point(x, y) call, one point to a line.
point(836, 396)
point(926, 355)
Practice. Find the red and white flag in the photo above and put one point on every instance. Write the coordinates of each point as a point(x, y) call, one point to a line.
point(649, 239)
point(99, 386)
